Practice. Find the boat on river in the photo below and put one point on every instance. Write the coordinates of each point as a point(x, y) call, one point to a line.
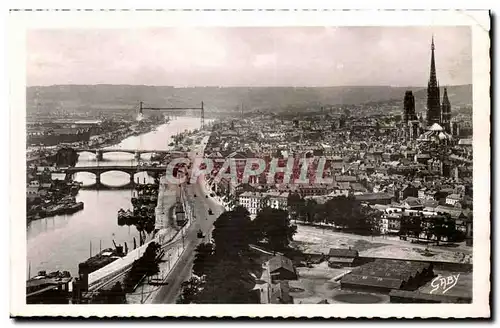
point(62, 208)
point(53, 210)
point(125, 217)
point(73, 208)
point(102, 259)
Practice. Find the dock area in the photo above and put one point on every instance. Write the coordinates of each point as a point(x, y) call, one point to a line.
point(167, 235)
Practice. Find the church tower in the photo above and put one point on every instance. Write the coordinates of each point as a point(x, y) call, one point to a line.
point(433, 99)
point(446, 112)
point(409, 107)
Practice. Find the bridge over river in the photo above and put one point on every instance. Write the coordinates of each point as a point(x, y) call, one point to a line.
point(136, 152)
point(98, 170)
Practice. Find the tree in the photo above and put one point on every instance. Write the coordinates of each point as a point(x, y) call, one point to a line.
point(450, 230)
point(149, 261)
point(295, 203)
point(320, 213)
point(365, 221)
point(233, 232)
point(411, 226)
point(229, 282)
point(146, 265)
point(307, 212)
point(225, 272)
point(436, 228)
point(273, 225)
point(190, 290)
point(204, 259)
point(442, 226)
point(232, 202)
point(340, 210)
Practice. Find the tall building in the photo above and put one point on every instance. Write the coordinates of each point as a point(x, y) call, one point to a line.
point(409, 107)
point(433, 99)
point(446, 112)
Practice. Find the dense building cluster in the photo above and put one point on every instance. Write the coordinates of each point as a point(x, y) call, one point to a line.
point(400, 164)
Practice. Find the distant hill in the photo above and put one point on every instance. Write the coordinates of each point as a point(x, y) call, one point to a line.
point(104, 98)
point(459, 95)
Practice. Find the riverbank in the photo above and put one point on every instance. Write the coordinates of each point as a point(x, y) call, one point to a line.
point(47, 198)
point(107, 139)
point(57, 209)
point(62, 242)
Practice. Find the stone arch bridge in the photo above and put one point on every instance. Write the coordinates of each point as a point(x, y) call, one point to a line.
point(136, 152)
point(98, 170)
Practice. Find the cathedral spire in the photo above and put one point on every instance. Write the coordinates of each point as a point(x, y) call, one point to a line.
point(433, 98)
point(433, 79)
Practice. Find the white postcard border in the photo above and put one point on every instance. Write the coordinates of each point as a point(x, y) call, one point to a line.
point(20, 21)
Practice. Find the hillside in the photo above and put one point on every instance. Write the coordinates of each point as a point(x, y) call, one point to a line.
point(90, 98)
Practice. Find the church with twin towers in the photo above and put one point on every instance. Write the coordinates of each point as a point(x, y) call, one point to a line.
point(438, 117)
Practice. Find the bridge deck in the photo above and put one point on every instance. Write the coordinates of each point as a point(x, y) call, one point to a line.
point(112, 150)
point(116, 168)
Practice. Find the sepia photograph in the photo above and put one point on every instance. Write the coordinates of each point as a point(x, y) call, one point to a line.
point(339, 164)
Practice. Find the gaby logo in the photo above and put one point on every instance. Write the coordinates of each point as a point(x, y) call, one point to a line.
point(444, 284)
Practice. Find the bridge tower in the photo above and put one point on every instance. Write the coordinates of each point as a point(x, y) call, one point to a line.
point(99, 155)
point(140, 108)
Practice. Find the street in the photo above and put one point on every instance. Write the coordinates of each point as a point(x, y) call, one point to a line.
point(182, 270)
point(204, 222)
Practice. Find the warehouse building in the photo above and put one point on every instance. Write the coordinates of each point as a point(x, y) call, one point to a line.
point(384, 275)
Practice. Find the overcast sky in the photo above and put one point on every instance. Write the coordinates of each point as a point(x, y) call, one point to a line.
point(287, 56)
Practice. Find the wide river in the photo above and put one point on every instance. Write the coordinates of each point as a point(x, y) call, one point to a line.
point(62, 242)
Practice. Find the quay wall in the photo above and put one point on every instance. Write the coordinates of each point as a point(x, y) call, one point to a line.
point(99, 278)
point(166, 236)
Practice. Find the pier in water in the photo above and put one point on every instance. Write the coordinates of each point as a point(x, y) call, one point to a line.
point(63, 241)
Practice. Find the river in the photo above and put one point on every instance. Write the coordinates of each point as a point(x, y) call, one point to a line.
point(62, 242)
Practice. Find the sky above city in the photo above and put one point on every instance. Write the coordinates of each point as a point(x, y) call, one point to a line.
point(283, 56)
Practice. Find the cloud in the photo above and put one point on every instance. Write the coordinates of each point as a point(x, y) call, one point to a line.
point(265, 60)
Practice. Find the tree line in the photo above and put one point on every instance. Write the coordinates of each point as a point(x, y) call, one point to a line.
point(345, 212)
point(438, 227)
